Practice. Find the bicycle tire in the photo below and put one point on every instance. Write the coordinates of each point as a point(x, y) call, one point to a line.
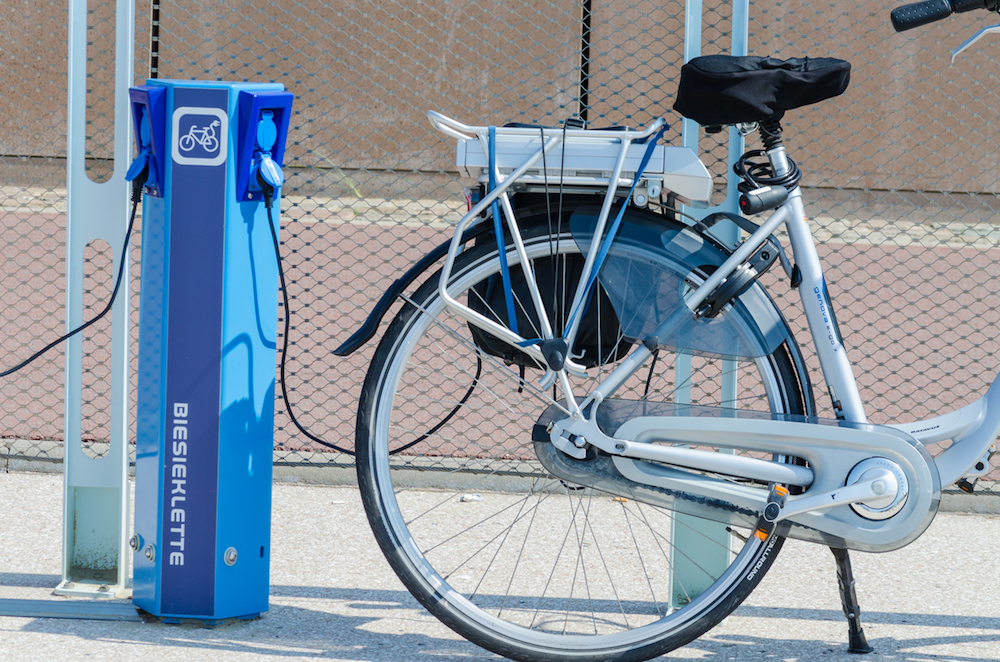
point(436, 542)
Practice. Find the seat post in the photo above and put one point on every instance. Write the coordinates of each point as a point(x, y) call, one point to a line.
point(774, 146)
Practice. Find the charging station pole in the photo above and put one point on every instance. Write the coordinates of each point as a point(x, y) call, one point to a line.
point(207, 341)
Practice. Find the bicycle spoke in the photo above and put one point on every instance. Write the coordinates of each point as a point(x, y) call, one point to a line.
point(638, 552)
point(468, 344)
point(666, 557)
point(579, 566)
point(469, 528)
point(555, 564)
point(517, 561)
point(607, 571)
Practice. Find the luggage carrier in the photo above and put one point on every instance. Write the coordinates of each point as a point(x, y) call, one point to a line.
point(608, 159)
point(578, 158)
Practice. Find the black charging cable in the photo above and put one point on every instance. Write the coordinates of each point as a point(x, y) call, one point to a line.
point(268, 190)
point(137, 185)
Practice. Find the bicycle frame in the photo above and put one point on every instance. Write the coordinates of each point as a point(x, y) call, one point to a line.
point(972, 428)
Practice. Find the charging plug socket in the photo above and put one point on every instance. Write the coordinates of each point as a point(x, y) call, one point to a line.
point(263, 130)
point(148, 103)
point(269, 175)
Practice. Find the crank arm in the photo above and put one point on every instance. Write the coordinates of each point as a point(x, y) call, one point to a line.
point(875, 492)
point(878, 488)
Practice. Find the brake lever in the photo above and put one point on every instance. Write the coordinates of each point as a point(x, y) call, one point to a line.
point(973, 39)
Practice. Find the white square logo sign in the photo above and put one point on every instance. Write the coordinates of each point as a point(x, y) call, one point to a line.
point(200, 136)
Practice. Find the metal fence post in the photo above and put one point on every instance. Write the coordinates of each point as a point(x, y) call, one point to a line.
point(96, 490)
point(706, 544)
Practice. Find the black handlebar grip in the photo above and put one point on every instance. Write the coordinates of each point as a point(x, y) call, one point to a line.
point(919, 13)
point(960, 6)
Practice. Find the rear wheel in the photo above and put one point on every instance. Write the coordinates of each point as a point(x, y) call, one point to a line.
point(511, 557)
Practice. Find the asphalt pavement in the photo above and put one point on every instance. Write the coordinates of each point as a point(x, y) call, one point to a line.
point(333, 597)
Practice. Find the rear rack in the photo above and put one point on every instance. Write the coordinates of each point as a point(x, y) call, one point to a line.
point(608, 159)
point(581, 157)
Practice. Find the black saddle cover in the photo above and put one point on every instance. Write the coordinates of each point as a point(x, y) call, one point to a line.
point(725, 89)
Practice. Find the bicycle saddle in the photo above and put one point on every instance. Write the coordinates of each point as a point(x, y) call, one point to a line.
point(725, 89)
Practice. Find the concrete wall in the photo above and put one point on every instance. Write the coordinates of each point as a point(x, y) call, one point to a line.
point(366, 72)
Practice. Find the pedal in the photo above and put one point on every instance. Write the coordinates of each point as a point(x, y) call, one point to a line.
point(776, 500)
point(968, 482)
point(980, 469)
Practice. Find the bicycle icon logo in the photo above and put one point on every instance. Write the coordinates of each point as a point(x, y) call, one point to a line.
point(200, 136)
point(205, 137)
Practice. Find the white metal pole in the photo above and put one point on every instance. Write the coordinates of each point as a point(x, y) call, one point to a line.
point(96, 491)
point(702, 547)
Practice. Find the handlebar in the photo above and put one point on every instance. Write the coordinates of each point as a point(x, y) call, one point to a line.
point(921, 13)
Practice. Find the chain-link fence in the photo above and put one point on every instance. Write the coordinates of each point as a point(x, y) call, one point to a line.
point(900, 173)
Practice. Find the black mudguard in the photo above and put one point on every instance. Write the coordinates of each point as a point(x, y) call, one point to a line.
point(370, 326)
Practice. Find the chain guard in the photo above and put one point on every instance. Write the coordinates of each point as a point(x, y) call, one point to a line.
point(598, 471)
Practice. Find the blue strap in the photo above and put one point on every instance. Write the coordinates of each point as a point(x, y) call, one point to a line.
point(613, 231)
point(498, 231)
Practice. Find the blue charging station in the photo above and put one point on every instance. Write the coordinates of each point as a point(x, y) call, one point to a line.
point(207, 341)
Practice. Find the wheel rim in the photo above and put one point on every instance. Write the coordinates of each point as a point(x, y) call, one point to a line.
point(533, 566)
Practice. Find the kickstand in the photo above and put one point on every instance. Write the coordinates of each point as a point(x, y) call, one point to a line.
point(849, 600)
